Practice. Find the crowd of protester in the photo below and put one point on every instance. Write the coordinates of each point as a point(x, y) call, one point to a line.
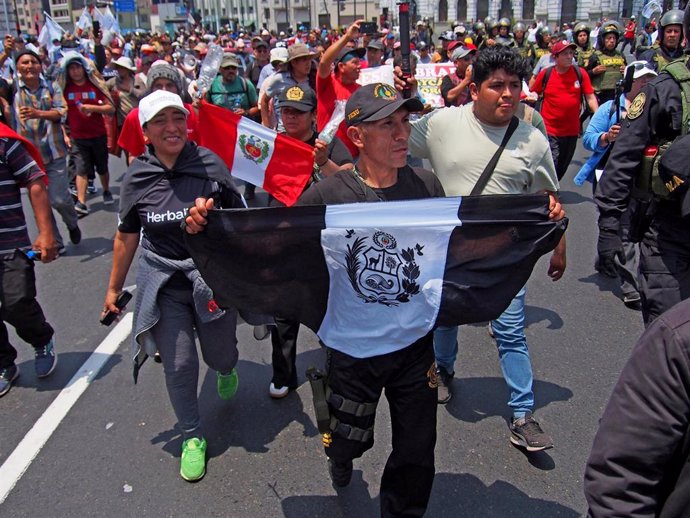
point(79, 100)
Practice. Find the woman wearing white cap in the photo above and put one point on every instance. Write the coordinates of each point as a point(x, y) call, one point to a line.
point(173, 302)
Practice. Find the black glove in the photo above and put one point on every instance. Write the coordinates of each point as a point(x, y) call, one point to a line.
point(609, 247)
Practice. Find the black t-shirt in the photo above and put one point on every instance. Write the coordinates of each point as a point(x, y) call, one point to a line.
point(337, 150)
point(161, 211)
point(345, 187)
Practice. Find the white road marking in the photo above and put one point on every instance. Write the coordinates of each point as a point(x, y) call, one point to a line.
point(26, 451)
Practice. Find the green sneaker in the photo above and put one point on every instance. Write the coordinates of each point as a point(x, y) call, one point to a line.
point(227, 384)
point(193, 461)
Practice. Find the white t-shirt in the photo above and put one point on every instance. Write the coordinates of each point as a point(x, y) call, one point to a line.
point(459, 146)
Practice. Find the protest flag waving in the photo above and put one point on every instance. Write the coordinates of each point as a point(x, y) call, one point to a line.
point(277, 163)
point(376, 272)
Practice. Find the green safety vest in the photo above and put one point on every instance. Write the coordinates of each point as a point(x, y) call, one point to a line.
point(648, 182)
point(539, 52)
point(584, 55)
point(608, 80)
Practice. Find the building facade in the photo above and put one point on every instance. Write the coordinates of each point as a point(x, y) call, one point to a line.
point(551, 11)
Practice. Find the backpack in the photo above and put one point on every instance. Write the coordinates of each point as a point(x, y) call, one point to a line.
point(547, 75)
point(647, 183)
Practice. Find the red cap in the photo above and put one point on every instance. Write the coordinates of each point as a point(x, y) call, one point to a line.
point(561, 46)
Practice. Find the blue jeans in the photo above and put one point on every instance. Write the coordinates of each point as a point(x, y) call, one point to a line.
point(509, 331)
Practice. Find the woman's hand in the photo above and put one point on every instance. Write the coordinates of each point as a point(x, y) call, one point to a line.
point(109, 302)
point(320, 153)
point(196, 219)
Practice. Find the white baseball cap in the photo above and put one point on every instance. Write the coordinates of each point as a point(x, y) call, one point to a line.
point(642, 68)
point(157, 101)
point(279, 55)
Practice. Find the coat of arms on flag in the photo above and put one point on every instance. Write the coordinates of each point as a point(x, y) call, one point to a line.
point(384, 276)
point(253, 148)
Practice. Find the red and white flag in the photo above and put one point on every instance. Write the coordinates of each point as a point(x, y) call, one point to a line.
point(279, 164)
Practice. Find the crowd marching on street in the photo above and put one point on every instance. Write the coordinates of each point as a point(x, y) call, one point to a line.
point(203, 118)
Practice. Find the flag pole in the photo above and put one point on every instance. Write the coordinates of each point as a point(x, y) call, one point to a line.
point(16, 18)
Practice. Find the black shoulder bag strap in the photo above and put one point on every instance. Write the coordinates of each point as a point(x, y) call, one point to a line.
point(489, 169)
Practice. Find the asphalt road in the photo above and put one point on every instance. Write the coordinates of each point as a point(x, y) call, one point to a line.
point(116, 453)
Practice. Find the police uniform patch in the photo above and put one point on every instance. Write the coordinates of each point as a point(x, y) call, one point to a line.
point(294, 94)
point(637, 106)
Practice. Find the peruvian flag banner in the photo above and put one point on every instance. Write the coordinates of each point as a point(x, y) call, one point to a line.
point(279, 164)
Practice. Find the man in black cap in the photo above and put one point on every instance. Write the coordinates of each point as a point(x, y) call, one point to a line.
point(377, 119)
point(378, 124)
point(339, 84)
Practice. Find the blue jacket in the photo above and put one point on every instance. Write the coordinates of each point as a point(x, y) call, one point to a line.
point(600, 123)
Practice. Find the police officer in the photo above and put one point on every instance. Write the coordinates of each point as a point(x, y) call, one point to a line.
point(606, 64)
point(504, 38)
point(656, 117)
point(543, 46)
point(585, 49)
point(668, 45)
point(492, 33)
point(479, 30)
point(522, 45)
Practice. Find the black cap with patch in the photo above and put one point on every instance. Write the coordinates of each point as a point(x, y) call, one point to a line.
point(674, 171)
point(359, 52)
point(299, 97)
point(377, 101)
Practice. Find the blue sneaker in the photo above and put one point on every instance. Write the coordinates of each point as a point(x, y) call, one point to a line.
point(46, 359)
point(7, 377)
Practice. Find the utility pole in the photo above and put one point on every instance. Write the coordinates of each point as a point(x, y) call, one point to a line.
point(287, 17)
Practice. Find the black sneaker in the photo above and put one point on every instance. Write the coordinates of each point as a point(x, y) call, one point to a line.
point(341, 472)
point(75, 235)
point(81, 208)
point(443, 382)
point(7, 377)
point(46, 359)
point(526, 433)
point(91, 187)
point(107, 198)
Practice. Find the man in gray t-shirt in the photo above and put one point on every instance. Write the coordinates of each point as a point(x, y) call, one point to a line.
point(459, 142)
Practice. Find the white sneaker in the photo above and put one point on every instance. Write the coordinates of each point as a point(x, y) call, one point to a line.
point(277, 393)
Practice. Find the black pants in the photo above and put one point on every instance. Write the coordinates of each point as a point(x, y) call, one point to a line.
point(631, 42)
point(562, 151)
point(18, 307)
point(664, 279)
point(284, 342)
point(409, 473)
